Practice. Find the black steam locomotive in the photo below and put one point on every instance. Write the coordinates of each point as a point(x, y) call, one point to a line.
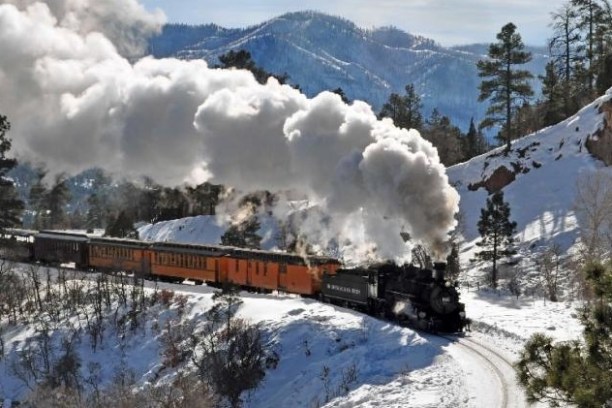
point(421, 298)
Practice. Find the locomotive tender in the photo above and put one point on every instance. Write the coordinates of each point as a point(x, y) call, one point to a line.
point(429, 301)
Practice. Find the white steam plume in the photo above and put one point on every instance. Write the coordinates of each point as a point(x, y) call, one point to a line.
point(125, 22)
point(75, 102)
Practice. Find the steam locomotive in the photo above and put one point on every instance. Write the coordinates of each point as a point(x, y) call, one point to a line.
point(422, 298)
point(419, 297)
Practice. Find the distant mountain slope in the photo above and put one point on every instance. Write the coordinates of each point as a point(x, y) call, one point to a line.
point(322, 52)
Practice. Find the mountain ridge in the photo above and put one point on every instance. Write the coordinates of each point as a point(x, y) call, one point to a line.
point(322, 52)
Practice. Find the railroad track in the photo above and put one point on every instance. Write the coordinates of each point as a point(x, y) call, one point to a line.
point(510, 394)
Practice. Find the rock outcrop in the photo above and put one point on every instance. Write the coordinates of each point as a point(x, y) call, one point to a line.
point(600, 144)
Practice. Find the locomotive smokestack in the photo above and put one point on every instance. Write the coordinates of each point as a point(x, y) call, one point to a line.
point(439, 269)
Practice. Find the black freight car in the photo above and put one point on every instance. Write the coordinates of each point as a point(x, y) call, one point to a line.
point(54, 248)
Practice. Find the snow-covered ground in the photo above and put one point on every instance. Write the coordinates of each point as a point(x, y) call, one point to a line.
point(335, 357)
point(329, 356)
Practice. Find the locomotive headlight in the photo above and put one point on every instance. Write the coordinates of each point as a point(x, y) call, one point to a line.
point(422, 315)
point(447, 284)
point(462, 314)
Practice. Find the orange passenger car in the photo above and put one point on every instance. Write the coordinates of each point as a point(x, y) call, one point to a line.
point(201, 263)
point(114, 254)
point(269, 271)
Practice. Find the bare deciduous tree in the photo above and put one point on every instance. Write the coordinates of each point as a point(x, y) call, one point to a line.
point(593, 206)
point(549, 265)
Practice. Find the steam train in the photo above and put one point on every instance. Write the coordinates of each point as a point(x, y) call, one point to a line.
point(420, 297)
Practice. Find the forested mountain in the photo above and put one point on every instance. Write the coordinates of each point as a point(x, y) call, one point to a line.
point(321, 52)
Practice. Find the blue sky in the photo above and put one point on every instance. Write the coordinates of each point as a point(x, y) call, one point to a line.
point(449, 22)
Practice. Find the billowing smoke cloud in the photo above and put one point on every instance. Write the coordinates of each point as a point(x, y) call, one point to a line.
point(75, 102)
point(125, 22)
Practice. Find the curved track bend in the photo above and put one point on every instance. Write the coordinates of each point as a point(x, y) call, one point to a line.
point(490, 376)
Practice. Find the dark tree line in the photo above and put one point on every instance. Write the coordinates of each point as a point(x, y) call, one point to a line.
point(453, 145)
point(581, 57)
point(242, 59)
point(114, 206)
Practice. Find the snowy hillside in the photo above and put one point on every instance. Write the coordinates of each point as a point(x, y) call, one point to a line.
point(322, 52)
point(538, 177)
point(326, 355)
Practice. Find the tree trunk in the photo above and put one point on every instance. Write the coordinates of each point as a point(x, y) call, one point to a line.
point(508, 103)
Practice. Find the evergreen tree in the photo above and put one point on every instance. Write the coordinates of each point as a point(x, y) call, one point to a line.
point(121, 227)
point(567, 55)
point(577, 373)
point(474, 143)
point(507, 87)
point(77, 220)
point(445, 137)
point(95, 213)
point(453, 266)
point(595, 24)
point(150, 201)
point(57, 199)
point(555, 96)
point(340, 91)
point(604, 79)
point(527, 119)
point(496, 231)
point(11, 206)
point(405, 111)
point(203, 199)
point(38, 201)
point(243, 235)
point(242, 59)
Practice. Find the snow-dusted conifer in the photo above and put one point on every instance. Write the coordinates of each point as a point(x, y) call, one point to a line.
point(496, 230)
point(506, 87)
point(10, 204)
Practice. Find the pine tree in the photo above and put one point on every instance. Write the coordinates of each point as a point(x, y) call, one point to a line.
point(121, 227)
point(453, 266)
point(496, 231)
point(405, 111)
point(38, 201)
point(243, 235)
point(242, 59)
point(576, 373)
point(11, 206)
point(57, 198)
point(95, 213)
point(595, 23)
point(445, 136)
point(507, 87)
point(474, 143)
point(555, 94)
point(604, 79)
point(339, 91)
